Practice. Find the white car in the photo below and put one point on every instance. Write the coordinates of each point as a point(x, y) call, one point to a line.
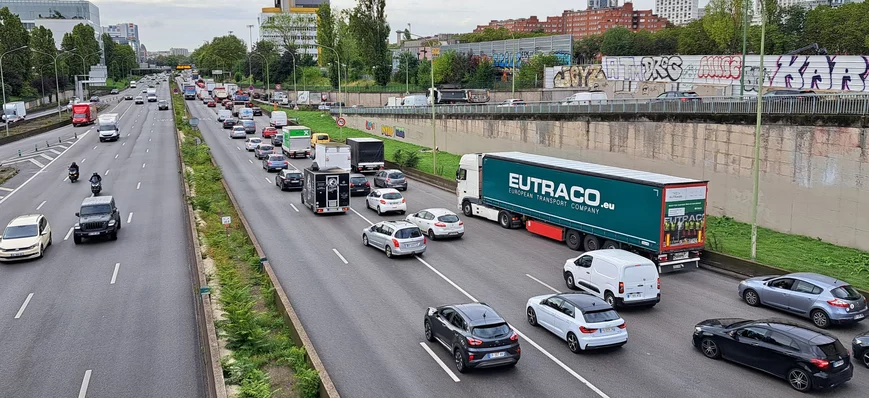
point(438, 223)
point(237, 132)
point(251, 143)
point(511, 102)
point(385, 200)
point(583, 320)
point(25, 237)
point(139, 100)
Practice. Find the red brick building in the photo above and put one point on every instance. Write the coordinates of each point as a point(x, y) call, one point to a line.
point(586, 22)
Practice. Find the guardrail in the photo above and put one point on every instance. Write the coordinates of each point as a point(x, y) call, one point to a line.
point(835, 104)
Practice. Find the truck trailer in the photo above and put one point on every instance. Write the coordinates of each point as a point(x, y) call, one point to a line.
point(366, 154)
point(297, 141)
point(14, 111)
point(84, 113)
point(326, 191)
point(588, 206)
point(189, 92)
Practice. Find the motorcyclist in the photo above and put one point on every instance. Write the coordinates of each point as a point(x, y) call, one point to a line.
point(73, 167)
point(96, 179)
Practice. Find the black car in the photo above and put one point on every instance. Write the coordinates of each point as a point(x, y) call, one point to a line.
point(229, 122)
point(475, 335)
point(128, 97)
point(860, 347)
point(114, 91)
point(289, 179)
point(359, 184)
point(98, 217)
point(808, 359)
point(278, 141)
point(257, 111)
point(790, 95)
point(163, 105)
point(684, 96)
point(95, 99)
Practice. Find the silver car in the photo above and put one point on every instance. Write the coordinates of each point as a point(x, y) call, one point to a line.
point(395, 238)
point(822, 299)
point(390, 179)
point(237, 132)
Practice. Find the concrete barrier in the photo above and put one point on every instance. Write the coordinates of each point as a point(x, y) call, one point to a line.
point(433, 180)
point(36, 131)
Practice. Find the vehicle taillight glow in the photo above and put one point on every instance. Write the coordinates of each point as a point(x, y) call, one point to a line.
point(470, 357)
point(367, 184)
point(440, 224)
point(351, 185)
point(395, 242)
point(587, 331)
point(624, 325)
point(838, 303)
point(621, 287)
point(662, 257)
point(514, 337)
point(383, 202)
point(461, 223)
point(424, 240)
point(403, 200)
point(387, 181)
point(474, 342)
point(820, 363)
point(659, 283)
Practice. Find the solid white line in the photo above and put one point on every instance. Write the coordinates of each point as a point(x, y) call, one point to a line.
point(116, 156)
point(23, 306)
point(340, 256)
point(130, 218)
point(83, 159)
point(40, 205)
point(268, 181)
point(68, 233)
point(7, 189)
point(38, 172)
point(294, 207)
point(543, 283)
point(143, 165)
point(83, 391)
point(360, 215)
point(46, 156)
point(37, 163)
point(251, 161)
point(138, 185)
point(444, 277)
point(441, 363)
point(115, 274)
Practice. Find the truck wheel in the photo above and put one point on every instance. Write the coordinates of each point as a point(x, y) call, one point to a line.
point(467, 210)
point(504, 219)
point(608, 244)
point(573, 240)
point(590, 243)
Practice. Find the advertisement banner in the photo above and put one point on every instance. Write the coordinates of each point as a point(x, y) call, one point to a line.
point(684, 216)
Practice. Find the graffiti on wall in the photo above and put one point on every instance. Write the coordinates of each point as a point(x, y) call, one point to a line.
point(369, 125)
point(505, 60)
point(392, 132)
point(591, 76)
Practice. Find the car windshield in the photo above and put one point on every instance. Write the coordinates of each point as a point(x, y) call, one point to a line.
point(408, 233)
point(832, 350)
point(322, 137)
point(265, 147)
point(248, 123)
point(600, 316)
point(448, 218)
point(395, 175)
point(276, 158)
point(78, 115)
point(392, 195)
point(845, 292)
point(95, 209)
point(20, 231)
point(107, 127)
point(294, 175)
point(491, 331)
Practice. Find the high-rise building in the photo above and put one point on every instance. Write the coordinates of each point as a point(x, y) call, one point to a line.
point(678, 12)
point(304, 33)
point(126, 33)
point(598, 4)
point(182, 52)
point(58, 15)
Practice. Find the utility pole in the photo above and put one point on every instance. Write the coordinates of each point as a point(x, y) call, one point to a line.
point(756, 169)
point(744, 39)
point(249, 59)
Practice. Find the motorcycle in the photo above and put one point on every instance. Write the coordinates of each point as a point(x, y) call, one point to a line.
point(96, 187)
point(73, 175)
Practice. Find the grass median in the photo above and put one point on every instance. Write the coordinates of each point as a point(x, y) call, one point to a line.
point(264, 361)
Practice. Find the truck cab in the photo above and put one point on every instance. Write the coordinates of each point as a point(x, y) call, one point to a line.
point(108, 127)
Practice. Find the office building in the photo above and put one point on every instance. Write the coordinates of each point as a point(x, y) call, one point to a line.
point(58, 15)
point(304, 34)
point(679, 12)
point(128, 34)
point(182, 52)
point(599, 4)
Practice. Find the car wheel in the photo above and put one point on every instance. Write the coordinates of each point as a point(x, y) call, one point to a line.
point(865, 358)
point(467, 210)
point(388, 252)
point(820, 319)
point(364, 240)
point(751, 298)
point(799, 379)
point(378, 211)
point(573, 240)
point(461, 366)
point(573, 343)
point(571, 283)
point(610, 299)
point(532, 316)
point(710, 348)
point(428, 334)
point(431, 235)
point(76, 239)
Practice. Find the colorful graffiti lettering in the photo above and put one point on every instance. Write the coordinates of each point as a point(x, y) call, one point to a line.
point(592, 76)
point(399, 132)
point(662, 68)
point(387, 131)
point(369, 125)
point(720, 66)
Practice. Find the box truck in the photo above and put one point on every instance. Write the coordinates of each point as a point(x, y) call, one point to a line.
point(332, 155)
point(189, 92)
point(326, 190)
point(588, 206)
point(297, 141)
point(14, 111)
point(366, 154)
point(108, 127)
point(84, 113)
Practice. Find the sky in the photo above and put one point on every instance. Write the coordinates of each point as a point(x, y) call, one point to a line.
point(187, 23)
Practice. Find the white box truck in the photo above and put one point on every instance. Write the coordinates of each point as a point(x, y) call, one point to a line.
point(297, 141)
point(14, 111)
point(332, 155)
point(108, 127)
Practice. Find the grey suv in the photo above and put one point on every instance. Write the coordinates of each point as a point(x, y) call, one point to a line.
point(822, 299)
point(98, 217)
point(395, 238)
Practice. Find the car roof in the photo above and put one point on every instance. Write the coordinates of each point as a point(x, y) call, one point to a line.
point(26, 219)
point(479, 314)
point(386, 190)
point(619, 255)
point(809, 335)
point(357, 175)
point(275, 155)
point(439, 211)
point(585, 302)
point(818, 279)
point(398, 223)
point(392, 171)
point(97, 200)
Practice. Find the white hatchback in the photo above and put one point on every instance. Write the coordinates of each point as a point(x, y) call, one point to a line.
point(583, 320)
point(384, 200)
point(438, 223)
point(251, 143)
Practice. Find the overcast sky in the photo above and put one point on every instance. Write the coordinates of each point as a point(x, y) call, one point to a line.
point(187, 23)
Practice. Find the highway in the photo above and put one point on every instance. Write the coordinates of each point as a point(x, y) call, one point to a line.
point(365, 316)
point(103, 318)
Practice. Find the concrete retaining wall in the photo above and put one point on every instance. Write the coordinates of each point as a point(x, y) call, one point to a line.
point(814, 180)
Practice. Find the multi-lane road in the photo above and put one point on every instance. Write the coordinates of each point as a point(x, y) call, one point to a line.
point(364, 312)
point(107, 318)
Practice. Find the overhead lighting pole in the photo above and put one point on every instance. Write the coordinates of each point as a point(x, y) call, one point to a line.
point(434, 130)
point(756, 169)
point(250, 41)
point(56, 78)
point(744, 40)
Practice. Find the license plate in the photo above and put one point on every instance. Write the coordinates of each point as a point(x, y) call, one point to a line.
point(93, 233)
point(412, 244)
point(838, 363)
point(497, 354)
point(17, 254)
point(635, 295)
point(680, 256)
point(608, 330)
point(859, 316)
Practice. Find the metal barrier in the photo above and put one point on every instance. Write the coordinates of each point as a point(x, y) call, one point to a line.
point(836, 104)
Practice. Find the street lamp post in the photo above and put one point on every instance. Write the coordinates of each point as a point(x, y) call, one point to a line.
point(340, 102)
point(744, 39)
point(3, 83)
point(756, 169)
point(434, 131)
point(250, 40)
point(513, 66)
point(267, 68)
point(56, 78)
point(295, 88)
point(406, 66)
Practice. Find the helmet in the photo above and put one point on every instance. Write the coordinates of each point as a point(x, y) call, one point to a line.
point(96, 174)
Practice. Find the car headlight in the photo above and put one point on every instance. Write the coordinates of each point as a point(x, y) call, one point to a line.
point(111, 223)
point(33, 246)
point(76, 226)
point(697, 330)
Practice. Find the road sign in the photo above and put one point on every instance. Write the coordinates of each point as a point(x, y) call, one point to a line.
point(249, 88)
point(341, 122)
point(277, 86)
point(217, 72)
point(182, 67)
point(226, 220)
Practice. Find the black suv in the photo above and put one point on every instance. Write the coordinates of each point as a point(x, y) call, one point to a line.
point(475, 335)
point(807, 358)
point(98, 217)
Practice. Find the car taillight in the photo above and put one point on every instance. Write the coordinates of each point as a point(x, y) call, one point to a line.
point(287, 163)
point(659, 283)
point(461, 223)
point(623, 325)
point(684, 99)
point(662, 257)
point(424, 240)
point(621, 287)
point(403, 200)
point(470, 357)
point(820, 363)
point(440, 224)
point(387, 181)
point(367, 184)
point(838, 303)
point(585, 330)
point(395, 242)
point(351, 185)
point(473, 341)
point(514, 337)
point(383, 202)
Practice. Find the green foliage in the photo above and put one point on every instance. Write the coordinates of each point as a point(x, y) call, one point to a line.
point(586, 49)
point(371, 32)
point(492, 34)
point(221, 53)
point(617, 41)
point(408, 67)
point(423, 73)
point(16, 65)
point(482, 75)
point(326, 36)
point(533, 69)
point(308, 383)
point(256, 385)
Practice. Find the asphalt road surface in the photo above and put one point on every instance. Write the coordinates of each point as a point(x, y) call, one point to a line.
point(365, 316)
point(103, 318)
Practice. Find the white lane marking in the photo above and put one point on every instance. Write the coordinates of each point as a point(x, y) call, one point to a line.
point(7, 189)
point(37, 163)
point(543, 283)
point(55, 152)
point(125, 143)
point(360, 215)
point(444, 277)
point(130, 218)
point(95, 147)
point(149, 140)
point(83, 159)
point(344, 260)
point(294, 207)
point(439, 362)
point(138, 185)
point(39, 172)
point(40, 205)
point(107, 172)
point(143, 165)
point(83, 391)
point(116, 156)
point(65, 178)
point(23, 306)
point(68, 233)
point(115, 273)
point(268, 181)
point(148, 150)
point(46, 157)
point(251, 161)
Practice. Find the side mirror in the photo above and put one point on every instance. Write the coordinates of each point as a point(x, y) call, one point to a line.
point(733, 334)
point(77, 215)
point(371, 229)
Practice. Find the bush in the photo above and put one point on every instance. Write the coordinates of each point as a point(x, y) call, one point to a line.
point(255, 385)
point(411, 160)
point(308, 383)
point(398, 157)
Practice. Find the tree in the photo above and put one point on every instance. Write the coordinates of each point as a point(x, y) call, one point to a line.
point(408, 66)
point(694, 40)
point(493, 34)
point(370, 29)
point(644, 43)
point(268, 51)
point(125, 59)
point(443, 67)
point(666, 41)
point(108, 51)
point(423, 73)
point(586, 49)
point(81, 41)
point(723, 21)
point(618, 41)
point(16, 65)
point(326, 37)
point(483, 74)
point(42, 57)
point(533, 69)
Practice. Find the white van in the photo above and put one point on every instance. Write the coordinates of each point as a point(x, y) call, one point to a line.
point(619, 277)
point(132, 84)
point(223, 114)
point(279, 119)
point(586, 98)
point(414, 100)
